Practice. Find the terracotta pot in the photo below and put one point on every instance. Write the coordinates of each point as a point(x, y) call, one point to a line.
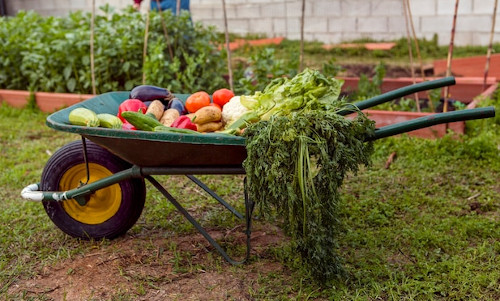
point(15, 98)
point(47, 102)
point(50, 102)
point(469, 66)
point(468, 90)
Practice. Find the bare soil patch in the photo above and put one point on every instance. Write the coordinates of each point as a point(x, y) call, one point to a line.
point(151, 266)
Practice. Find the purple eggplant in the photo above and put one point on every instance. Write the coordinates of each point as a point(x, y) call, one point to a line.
point(177, 104)
point(149, 93)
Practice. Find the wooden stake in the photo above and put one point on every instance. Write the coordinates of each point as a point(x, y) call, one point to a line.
point(450, 54)
point(419, 56)
point(406, 5)
point(92, 69)
point(145, 49)
point(178, 7)
point(490, 46)
point(228, 49)
point(165, 32)
point(301, 55)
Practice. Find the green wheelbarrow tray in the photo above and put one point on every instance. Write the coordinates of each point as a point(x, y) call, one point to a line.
point(149, 149)
point(152, 148)
point(161, 153)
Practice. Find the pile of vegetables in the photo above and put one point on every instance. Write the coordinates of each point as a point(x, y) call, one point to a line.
point(151, 108)
point(298, 148)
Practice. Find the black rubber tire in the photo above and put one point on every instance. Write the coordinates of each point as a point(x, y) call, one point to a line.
point(133, 192)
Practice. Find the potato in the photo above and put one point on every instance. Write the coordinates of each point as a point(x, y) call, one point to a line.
point(207, 114)
point(169, 116)
point(209, 127)
point(156, 108)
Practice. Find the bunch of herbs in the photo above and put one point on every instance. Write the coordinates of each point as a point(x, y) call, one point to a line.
point(295, 167)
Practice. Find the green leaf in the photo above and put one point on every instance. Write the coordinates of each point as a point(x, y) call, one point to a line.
point(71, 84)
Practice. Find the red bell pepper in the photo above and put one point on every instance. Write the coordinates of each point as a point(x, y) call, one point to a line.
point(134, 105)
point(183, 122)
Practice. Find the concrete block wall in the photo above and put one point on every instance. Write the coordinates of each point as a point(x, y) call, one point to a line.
point(327, 21)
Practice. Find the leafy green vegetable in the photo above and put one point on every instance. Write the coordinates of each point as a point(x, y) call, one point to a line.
point(301, 160)
point(308, 90)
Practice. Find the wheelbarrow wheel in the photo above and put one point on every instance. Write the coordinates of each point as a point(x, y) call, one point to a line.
point(108, 212)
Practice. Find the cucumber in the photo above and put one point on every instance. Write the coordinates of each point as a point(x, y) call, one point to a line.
point(84, 117)
point(141, 121)
point(109, 121)
point(168, 129)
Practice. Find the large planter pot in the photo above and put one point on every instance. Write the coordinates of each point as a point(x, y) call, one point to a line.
point(468, 90)
point(15, 98)
point(469, 66)
point(47, 102)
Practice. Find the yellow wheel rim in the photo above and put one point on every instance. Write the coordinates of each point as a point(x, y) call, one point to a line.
point(101, 205)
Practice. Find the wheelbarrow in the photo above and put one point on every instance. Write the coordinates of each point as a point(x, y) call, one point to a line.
point(94, 188)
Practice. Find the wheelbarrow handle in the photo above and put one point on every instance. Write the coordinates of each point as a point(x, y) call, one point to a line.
point(430, 120)
point(394, 94)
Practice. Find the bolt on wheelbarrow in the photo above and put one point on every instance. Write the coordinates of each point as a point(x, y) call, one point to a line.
point(95, 188)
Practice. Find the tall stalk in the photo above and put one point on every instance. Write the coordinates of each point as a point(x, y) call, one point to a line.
point(145, 49)
point(228, 49)
point(490, 45)
point(419, 55)
point(165, 32)
point(301, 59)
point(92, 68)
point(406, 5)
point(450, 54)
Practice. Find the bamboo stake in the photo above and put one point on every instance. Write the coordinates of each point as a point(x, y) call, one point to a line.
point(145, 49)
point(301, 55)
point(165, 32)
point(450, 54)
point(226, 31)
point(178, 7)
point(92, 68)
point(406, 4)
point(417, 46)
point(490, 46)
point(419, 56)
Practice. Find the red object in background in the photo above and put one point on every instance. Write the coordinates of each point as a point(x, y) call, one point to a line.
point(183, 122)
point(222, 96)
point(134, 105)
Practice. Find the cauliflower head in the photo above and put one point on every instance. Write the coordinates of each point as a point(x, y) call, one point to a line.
point(233, 110)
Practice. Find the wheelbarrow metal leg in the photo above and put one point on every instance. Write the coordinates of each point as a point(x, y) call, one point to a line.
point(215, 196)
point(200, 228)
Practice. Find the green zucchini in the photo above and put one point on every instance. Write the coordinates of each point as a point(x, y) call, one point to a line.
point(109, 121)
point(83, 117)
point(141, 121)
point(168, 129)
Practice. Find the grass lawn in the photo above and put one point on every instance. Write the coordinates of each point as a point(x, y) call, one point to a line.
point(426, 228)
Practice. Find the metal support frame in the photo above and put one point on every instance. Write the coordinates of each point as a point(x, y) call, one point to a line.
point(82, 192)
point(249, 205)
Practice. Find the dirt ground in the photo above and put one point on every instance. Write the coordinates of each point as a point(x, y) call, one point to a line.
point(154, 267)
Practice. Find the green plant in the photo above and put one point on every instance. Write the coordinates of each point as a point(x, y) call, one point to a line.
point(255, 74)
point(369, 87)
point(53, 53)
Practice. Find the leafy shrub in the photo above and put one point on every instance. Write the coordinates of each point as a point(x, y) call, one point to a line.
point(53, 53)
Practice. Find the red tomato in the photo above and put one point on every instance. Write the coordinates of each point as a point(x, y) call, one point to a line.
point(197, 101)
point(215, 105)
point(222, 96)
